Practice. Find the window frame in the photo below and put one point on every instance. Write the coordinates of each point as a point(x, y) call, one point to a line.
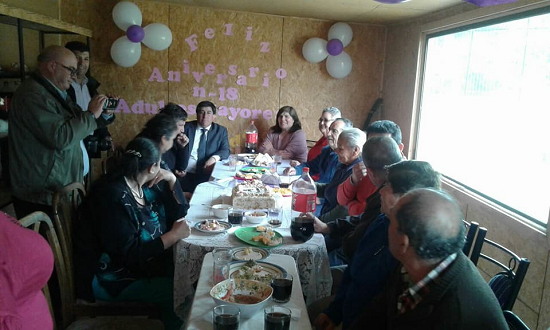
point(461, 23)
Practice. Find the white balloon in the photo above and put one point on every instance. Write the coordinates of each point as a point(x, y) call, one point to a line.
point(125, 53)
point(341, 31)
point(157, 36)
point(126, 14)
point(339, 66)
point(315, 50)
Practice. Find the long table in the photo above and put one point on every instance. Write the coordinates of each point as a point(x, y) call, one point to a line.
point(201, 312)
point(311, 257)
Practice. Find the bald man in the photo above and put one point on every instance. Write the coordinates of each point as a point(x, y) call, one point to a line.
point(436, 286)
point(46, 128)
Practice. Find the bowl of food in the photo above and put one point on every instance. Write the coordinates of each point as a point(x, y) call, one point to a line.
point(250, 296)
point(221, 210)
point(255, 216)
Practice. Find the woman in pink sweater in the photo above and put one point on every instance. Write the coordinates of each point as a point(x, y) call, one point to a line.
point(286, 138)
point(26, 264)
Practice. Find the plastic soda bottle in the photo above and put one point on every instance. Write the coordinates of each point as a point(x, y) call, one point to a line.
point(304, 193)
point(251, 143)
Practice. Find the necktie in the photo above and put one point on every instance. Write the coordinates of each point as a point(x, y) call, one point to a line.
point(201, 152)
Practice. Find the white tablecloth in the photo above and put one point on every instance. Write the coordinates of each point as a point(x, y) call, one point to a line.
point(201, 312)
point(311, 257)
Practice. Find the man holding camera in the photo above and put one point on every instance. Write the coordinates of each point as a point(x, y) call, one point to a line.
point(46, 128)
point(82, 89)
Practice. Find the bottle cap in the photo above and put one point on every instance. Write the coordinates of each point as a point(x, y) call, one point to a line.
point(305, 169)
point(252, 122)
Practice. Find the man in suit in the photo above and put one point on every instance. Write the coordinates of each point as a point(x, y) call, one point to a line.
point(436, 286)
point(208, 143)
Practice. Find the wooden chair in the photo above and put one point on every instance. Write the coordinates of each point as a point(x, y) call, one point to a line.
point(514, 322)
point(310, 143)
point(66, 205)
point(509, 276)
point(111, 161)
point(40, 221)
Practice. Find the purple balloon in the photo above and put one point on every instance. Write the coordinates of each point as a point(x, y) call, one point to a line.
point(335, 47)
point(135, 33)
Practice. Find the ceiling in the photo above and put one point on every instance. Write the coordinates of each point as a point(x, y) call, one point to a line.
point(358, 11)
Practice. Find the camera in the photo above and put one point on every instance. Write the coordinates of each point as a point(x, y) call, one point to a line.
point(95, 146)
point(110, 104)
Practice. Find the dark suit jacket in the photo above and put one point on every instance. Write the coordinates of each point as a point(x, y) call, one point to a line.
point(217, 142)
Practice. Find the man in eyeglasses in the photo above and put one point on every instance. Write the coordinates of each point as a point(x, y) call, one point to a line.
point(46, 128)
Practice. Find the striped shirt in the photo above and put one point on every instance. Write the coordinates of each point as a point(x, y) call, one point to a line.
point(412, 296)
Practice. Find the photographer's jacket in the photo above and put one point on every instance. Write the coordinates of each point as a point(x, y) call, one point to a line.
point(44, 137)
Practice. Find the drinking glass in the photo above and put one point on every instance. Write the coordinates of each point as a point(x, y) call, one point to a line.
point(277, 159)
point(235, 216)
point(222, 259)
point(277, 318)
point(301, 228)
point(273, 168)
point(226, 317)
point(232, 162)
point(282, 288)
point(275, 213)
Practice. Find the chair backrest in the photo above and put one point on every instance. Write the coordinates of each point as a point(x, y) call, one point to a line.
point(111, 161)
point(514, 322)
point(507, 280)
point(471, 232)
point(66, 207)
point(477, 244)
point(39, 221)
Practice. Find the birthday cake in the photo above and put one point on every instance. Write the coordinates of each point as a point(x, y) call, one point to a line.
point(253, 194)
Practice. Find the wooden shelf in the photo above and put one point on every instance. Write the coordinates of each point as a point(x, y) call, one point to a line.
point(30, 20)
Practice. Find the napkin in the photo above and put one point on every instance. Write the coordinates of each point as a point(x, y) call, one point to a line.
point(296, 313)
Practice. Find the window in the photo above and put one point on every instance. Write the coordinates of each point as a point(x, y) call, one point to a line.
point(484, 119)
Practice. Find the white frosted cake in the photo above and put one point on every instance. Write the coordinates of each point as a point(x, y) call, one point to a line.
point(253, 194)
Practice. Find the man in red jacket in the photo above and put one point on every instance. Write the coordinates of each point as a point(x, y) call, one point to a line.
point(354, 191)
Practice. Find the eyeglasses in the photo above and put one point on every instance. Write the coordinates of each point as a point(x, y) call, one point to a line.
point(323, 120)
point(72, 71)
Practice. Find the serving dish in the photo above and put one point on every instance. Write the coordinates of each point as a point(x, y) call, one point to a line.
point(231, 290)
point(221, 210)
point(249, 253)
point(255, 216)
point(260, 271)
point(246, 234)
point(224, 226)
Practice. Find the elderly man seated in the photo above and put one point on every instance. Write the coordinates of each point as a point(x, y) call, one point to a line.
point(354, 192)
point(350, 146)
point(366, 274)
point(327, 118)
point(345, 233)
point(436, 286)
point(326, 163)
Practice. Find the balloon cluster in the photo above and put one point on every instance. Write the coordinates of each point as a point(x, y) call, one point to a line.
point(126, 50)
point(338, 62)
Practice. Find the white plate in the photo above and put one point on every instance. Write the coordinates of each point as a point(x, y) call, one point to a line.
point(255, 253)
point(225, 226)
point(268, 271)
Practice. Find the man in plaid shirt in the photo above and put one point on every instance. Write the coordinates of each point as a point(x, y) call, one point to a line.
point(436, 286)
